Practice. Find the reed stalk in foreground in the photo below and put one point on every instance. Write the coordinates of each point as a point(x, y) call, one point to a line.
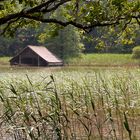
point(93, 107)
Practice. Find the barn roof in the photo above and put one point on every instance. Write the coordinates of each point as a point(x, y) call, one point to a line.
point(44, 53)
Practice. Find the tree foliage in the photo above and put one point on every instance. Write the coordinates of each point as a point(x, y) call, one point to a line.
point(64, 42)
point(10, 46)
point(84, 14)
point(113, 39)
point(136, 52)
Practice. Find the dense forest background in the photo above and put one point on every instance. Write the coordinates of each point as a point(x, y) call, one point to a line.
point(69, 41)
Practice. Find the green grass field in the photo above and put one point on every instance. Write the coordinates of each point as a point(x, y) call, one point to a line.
point(105, 60)
point(4, 60)
point(94, 60)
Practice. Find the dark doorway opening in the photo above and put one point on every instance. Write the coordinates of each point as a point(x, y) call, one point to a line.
point(29, 61)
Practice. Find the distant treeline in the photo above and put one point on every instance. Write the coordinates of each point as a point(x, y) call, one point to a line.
point(69, 40)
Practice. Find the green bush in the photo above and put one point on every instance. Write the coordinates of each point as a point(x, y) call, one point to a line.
point(136, 52)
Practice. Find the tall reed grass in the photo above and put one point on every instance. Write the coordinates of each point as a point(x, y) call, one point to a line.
point(91, 106)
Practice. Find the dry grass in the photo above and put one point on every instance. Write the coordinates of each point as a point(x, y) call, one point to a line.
point(71, 105)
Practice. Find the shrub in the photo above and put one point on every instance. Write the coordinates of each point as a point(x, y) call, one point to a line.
point(136, 52)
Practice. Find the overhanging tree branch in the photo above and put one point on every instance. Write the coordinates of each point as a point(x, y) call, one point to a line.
point(8, 25)
point(44, 7)
point(35, 13)
point(44, 10)
point(66, 23)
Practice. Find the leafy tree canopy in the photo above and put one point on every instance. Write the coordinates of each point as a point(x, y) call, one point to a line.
point(84, 14)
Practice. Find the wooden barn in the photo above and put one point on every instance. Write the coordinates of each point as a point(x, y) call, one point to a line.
point(36, 56)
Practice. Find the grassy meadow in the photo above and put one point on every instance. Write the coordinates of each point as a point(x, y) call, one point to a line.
point(70, 103)
point(105, 60)
point(4, 61)
point(94, 60)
